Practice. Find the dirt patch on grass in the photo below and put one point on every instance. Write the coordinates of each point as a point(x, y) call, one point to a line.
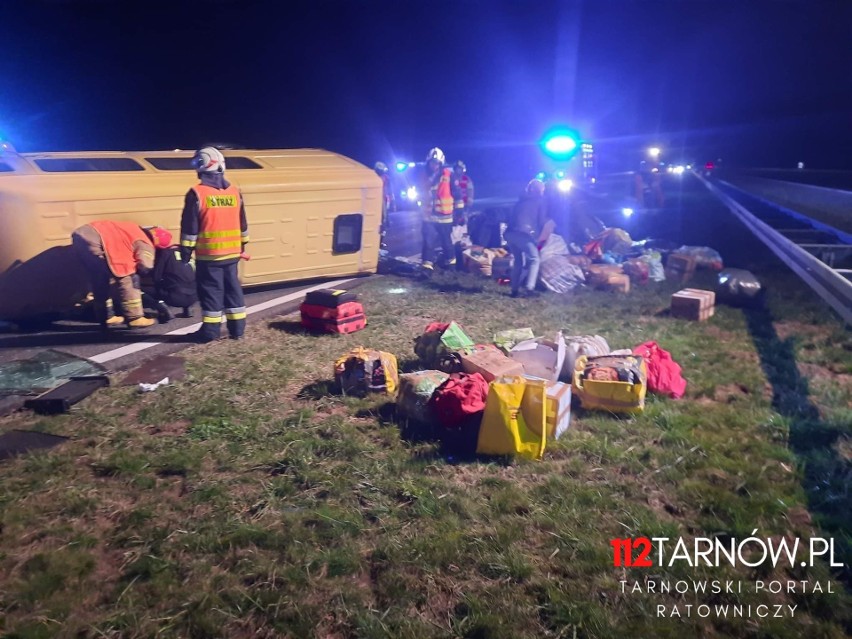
point(170, 429)
point(416, 323)
point(662, 505)
point(787, 329)
point(718, 333)
point(727, 393)
point(843, 447)
point(816, 372)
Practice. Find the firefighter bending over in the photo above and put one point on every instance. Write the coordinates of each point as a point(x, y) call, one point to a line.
point(115, 254)
point(214, 225)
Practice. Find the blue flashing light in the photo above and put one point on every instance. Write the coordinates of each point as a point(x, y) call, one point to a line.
point(401, 166)
point(561, 144)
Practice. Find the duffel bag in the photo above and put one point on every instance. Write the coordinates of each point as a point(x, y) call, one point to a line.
point(458, 398)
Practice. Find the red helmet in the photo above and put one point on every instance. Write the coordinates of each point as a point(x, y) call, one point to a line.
point(160, 237)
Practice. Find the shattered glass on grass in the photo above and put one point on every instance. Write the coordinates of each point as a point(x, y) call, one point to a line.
point(43, 371)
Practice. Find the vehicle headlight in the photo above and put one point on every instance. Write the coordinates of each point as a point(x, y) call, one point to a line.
point(411, 193)
point(564, 185)
point(627, 212)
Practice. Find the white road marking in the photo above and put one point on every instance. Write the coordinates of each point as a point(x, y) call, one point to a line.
point(123, 351)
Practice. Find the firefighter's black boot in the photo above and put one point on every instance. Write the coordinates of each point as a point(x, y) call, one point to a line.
point(164, 313)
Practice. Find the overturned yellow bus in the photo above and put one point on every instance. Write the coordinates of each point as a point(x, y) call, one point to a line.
point(312, 214)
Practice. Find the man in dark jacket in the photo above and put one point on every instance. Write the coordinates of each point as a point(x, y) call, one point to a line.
point(171, 283)
point(528, 229)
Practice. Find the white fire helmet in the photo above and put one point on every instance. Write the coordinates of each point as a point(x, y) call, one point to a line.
point(435, 154)
point(209, 160)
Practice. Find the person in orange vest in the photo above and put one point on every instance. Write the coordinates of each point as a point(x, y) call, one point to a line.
point(437, 212)
point(213, 224)
point(117, 253)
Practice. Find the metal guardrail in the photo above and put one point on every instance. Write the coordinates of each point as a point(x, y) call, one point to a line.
point(820, 204)
point(827, 282)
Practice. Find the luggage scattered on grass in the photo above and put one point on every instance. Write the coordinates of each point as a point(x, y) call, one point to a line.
point(363, 370)
point(513, 396)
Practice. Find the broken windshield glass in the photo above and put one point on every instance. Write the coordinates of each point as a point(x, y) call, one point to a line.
point(43, 371)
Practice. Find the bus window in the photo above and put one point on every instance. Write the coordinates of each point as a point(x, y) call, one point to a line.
point(240, 163)
point(67, 165)
point(5, 168)
point(347, 233)
point(185, 164)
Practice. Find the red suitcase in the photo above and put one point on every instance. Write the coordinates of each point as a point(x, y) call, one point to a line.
point(330, 297)
point(344, 325)
point(315, 311)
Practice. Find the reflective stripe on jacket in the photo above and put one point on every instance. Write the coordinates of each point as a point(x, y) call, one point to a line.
point(126, 246)
point(219, 236)
point(442, 198)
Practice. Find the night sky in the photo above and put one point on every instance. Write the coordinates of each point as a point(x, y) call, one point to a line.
point(757, 83)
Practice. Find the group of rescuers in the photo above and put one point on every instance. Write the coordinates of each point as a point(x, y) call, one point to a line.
point(447, 197)
point(117, 255)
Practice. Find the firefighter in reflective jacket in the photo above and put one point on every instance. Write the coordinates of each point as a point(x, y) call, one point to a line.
point(438, 212)
point(116, 253)
point(214, 225)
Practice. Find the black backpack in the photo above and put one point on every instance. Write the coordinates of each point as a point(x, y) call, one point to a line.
point(174, 278)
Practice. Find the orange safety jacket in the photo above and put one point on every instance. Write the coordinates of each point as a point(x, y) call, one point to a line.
point(123, 254)
point(442, 198)
point(219, 236)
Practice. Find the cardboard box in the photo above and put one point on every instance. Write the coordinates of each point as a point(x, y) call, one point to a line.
point(680, 267)
point(501, 268)
point(711, 295)
point(490, 364)
point(557, 409)
point(693, 304)
point(541, 357)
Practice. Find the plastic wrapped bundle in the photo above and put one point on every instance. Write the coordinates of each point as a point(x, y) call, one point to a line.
point(738, 286)
point(415, 391)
